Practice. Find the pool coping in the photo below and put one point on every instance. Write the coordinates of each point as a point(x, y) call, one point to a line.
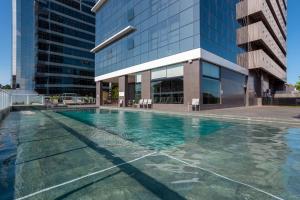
point(268, 120)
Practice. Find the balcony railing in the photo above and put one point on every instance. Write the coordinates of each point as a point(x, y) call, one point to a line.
point(259, 59)
point(4, 99)
point(258, 32)
point(259, 9)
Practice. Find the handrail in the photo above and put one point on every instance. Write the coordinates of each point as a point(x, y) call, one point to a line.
point(4, 99)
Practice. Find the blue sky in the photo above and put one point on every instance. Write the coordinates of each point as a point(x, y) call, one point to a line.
point(293, 41)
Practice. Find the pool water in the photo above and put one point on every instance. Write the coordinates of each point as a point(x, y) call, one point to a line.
point(110, 154)
point(155, 131)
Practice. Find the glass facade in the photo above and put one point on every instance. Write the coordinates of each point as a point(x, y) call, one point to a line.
point(65, 34)
point(164, 28)
point(167, 85)
point(23, 55)
point(61, 34)
point(222, 86)
point(218, 27)
point(211, 84)
point(167, 90)
point(138, 88)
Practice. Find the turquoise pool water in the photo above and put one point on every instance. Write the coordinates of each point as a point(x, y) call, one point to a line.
point(156, 131)
point(109, 154)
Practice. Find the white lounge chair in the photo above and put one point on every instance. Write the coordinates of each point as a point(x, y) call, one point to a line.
point(195, 104)
point(141, 103)
point(120, 102)
point(145, 103)
point(149, 103)
point(79, 101)
point(68, 102)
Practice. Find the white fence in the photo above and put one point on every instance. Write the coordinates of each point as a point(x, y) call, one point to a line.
point(27, 99)
point(4, 99)
point(17, 98)
point(8, 99)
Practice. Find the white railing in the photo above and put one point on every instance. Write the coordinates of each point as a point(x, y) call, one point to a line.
point(17, 98)
point(4, 99)
point(27, 99)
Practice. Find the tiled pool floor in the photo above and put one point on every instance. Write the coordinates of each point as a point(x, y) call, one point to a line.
point(59, 157)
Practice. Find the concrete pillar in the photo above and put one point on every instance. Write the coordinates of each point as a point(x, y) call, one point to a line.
point(99, 96)
point(123, 90)
point(191, 81)
point(146, 85)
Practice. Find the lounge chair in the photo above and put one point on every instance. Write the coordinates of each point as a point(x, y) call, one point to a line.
point(149, 103)
point(145, 103)
point(195, 104)
point(68, 102)
point(141, 103)
point(79, 101)
point(120, 102)
point(55, 102)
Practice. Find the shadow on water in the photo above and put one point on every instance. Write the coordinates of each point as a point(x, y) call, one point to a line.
point(149, 183)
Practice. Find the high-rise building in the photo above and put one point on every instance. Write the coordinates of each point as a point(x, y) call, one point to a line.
point(176, 51)
point(51, 46)
point(263, 36)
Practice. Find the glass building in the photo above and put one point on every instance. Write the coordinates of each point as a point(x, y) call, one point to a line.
point(169, 51)
point(51, 46)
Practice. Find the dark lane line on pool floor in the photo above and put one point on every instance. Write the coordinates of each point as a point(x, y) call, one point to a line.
point(39, 140)
point(51, 155)
point(148, 182)
point(86, 185)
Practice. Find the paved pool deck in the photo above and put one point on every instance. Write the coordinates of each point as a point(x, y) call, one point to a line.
point(267, 112)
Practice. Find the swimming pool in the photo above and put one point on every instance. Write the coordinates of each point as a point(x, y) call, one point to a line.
point(112, 154)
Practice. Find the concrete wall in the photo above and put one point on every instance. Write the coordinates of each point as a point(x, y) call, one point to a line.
point(123, 88)
point(146, 85)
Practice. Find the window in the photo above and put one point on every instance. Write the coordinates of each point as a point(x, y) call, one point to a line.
point(167, 90)
point(167, 72)
point(211, 85)
point(210, 91)
point(130, 14)
point(138, 87)
point(130, 43)
point(167, 85)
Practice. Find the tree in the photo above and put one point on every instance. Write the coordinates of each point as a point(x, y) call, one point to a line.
point(6, 87)
point(298, 85)
point(115, 93)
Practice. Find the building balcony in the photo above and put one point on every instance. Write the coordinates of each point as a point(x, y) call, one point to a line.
point(278, 15)
point(283, 9)
point(257, 33)
point(258, 10)
point(260, 60)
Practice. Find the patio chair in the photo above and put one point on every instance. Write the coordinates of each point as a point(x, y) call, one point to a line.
point(149, 103)
point(141, 102)
point(195, 104)
point(120, 102)
point(79, 101)
point(55, 102)
point(68, 102)
point(145, 103)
